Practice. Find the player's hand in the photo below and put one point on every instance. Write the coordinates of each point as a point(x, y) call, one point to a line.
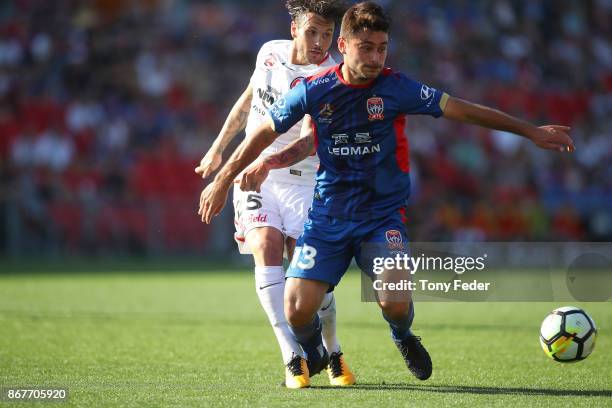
point(212, 201)
point(553, 137)
point(254, 176)
point(209, 163)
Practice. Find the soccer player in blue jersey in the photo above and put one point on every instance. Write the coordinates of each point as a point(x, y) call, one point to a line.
point(358, 111)
point(268, 223)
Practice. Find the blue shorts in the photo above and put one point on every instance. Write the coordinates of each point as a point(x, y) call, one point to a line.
point(326, 247)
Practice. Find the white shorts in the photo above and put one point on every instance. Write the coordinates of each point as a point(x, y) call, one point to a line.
point(279, 205)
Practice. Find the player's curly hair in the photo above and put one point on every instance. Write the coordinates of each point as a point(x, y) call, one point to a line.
point(331, 10)
point(365, 16)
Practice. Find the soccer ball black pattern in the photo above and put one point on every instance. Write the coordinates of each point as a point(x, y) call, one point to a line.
point(568, 334)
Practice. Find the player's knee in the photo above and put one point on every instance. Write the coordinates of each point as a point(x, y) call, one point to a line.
point(270, 249)
point(267, 245)
point(395, 310)
point(299, 313)
point(298, 318)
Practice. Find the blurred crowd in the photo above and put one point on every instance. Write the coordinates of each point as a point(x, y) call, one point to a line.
point(106, 106)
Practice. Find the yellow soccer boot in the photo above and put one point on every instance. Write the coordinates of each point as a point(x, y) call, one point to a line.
point(296, 373)
point(338, 371)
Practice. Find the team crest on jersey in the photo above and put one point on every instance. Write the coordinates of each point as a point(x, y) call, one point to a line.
point(295, 82)
point(270, 61)
point(376, 109)
point(394, 240)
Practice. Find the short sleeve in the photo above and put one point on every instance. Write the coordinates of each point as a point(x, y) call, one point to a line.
point(259, 61)
point(420, 99)
point(290, 109)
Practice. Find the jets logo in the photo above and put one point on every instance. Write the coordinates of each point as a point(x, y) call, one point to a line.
point(394, 239)
point(376, 109)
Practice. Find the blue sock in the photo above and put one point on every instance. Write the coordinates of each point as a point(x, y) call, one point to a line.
point(400, 329)
point(309, 337)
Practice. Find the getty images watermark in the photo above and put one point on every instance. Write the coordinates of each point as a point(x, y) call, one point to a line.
point(517, 271)
point(412, 265)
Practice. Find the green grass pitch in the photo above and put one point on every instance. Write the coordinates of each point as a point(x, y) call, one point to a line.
point(153, 338)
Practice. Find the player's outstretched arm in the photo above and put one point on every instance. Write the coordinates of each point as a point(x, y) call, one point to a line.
point(234, 123)
point(254, 176)
point(213, 197)
point(552, 137)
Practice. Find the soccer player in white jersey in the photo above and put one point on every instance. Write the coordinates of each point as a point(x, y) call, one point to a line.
point(268, 222)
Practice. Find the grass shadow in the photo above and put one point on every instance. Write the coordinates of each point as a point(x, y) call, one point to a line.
point(463, 389)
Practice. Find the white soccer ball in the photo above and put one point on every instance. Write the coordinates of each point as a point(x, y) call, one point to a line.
point(568, 334)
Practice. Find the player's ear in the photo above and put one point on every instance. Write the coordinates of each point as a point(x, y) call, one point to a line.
point(294, 29)
point(342, 45)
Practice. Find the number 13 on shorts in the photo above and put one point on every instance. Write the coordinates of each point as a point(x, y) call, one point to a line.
point(304, 257)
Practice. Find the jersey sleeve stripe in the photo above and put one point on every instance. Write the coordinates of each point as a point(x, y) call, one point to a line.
point(402, 150)
point(316, 136)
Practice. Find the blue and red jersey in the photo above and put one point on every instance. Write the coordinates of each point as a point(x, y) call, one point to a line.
point(359, 137)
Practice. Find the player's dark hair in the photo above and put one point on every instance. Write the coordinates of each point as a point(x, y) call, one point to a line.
point(365, 16)
point(331, 10)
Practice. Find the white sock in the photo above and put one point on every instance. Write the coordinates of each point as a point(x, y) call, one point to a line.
point(270, 286)
point(327, 314)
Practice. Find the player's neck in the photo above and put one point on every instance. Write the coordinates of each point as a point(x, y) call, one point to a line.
point(352, 79)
